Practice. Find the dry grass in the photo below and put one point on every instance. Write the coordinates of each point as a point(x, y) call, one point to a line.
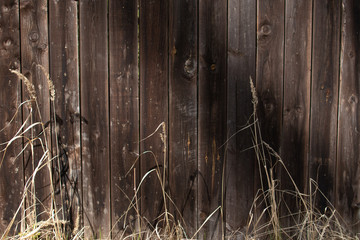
point(265, 220)
point(36, 140)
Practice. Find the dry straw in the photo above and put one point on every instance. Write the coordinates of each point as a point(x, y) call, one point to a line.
point(263, 223)
point(29, 86)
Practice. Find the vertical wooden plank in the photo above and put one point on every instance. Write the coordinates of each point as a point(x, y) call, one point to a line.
point(269, 85)
point(324, 97)
point(239, 177)
point(124, 108)
point(348, 167)
point(269, 68)
point(34, 52)
point(295, 137)
point(153, 102)
point(95, 111)
point(183, 112)
point(212, 113)
point(64, 71)
point(11, 167)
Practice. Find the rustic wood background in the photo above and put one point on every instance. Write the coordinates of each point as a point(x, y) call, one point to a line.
point(123, 67)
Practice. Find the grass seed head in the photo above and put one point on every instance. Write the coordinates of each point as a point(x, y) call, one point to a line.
point(29, 86)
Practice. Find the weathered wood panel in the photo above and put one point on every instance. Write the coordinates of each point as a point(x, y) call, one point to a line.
point(35, 52)
point(153, 103)
point(324, 98)
point(270, 68)
point(241, 51)
point(211, 114)
point(296, 109)
point(348, 167)
point(196, 58)
point(124, 109)
point(64, 72)
point(11, 167)
point(269, 85)
point(95, 112)
point(183, 112)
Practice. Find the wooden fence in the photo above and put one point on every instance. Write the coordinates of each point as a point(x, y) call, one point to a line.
point(168, 80)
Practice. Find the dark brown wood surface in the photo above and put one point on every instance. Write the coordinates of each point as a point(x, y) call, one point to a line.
point(64, 72)
point(124, 110)
point(168, 81)
point(269, 85)
point(183, 112)
point(11, 167)
point(296, 109)
point(153, 104)
point(211, 115)
point(35, 53)
point(239, 175)
point(347, 169)
point(324, 98)
point(270, 68)
point(95, 115)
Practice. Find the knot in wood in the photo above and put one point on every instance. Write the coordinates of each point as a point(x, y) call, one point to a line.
point(15, 64)
point(42, 47)
point(5, 9)
point(189, 68)
point(298, 109)
point(7, 42)
point(34, 36)
point(351, 54)
point(356, 205)
point(269, 107)
point(265, 29)
point(353, 99)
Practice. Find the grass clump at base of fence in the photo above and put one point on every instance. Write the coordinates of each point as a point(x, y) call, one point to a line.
point(270, 216)
point(265, 221)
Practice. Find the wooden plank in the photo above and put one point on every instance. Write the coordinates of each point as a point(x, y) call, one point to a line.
point(64, 72)
point(296, 109)
point(239, 155)
point(348, 167)
point(95, 111)
point(324, 98)
point(269, 85)
point(212, 114)
point(35, 52)
point(183, 112)
point(153, 103)
point(124, 108)
point(11, 166)
point(269, 74)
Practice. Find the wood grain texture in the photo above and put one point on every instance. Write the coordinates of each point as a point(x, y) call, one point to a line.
point(95, 112)
point(11, 166)
point(35, 52)
point(296, 109)
point(348, 167)
point(183, 112)
point(270, 68)
point(212, 114)
point(153, 103)
point(190, 73)
point(124, 109)
point(240, 158)
point(64, 72)
point(324, 98)
point(269, 86)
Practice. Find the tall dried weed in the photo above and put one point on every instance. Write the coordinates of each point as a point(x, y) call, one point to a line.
point(265, 220)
